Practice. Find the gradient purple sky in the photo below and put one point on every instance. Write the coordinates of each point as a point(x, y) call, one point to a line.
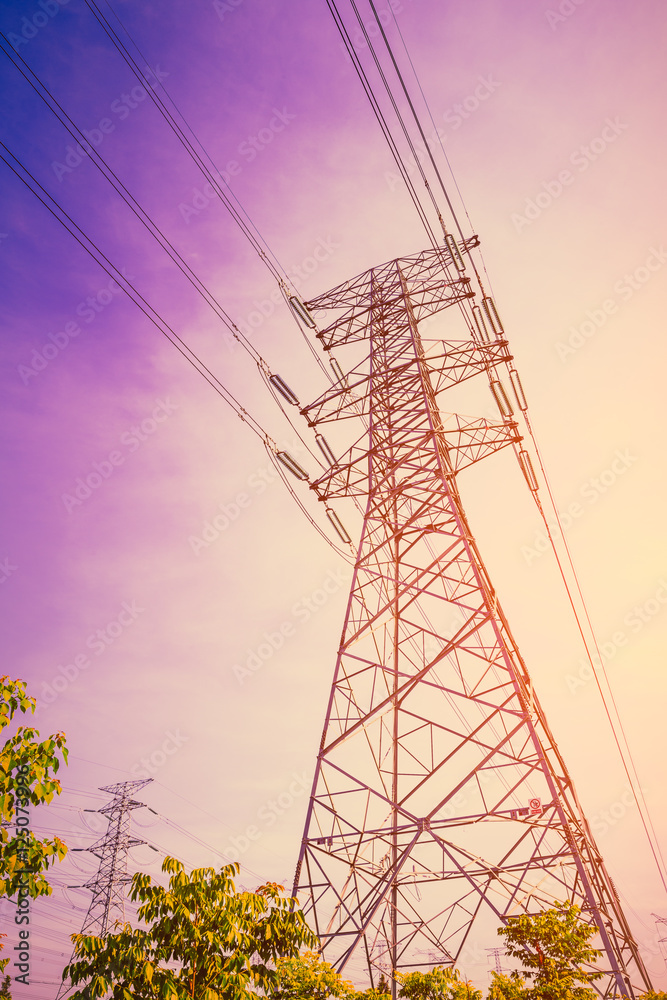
point(325, 180)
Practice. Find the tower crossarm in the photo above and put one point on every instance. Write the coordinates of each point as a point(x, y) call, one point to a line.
point(449, 364)
point(432, 275)
point(466, 441)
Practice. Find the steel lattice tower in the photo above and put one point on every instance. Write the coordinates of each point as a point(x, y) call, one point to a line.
point(661, 929)
point(108, 883)
point(441, 804)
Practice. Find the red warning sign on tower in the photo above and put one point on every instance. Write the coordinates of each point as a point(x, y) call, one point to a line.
point(535, 807)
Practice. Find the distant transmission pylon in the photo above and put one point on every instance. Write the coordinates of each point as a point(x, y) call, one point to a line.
point(497, 955)
point(108, 884)
point(661, 931)
point(441, 804)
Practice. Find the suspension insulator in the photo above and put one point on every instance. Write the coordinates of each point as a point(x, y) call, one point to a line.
point(453, 248)
point(491, 312)
point(291, 464)
point(338, 527)
point(501, 398)
point(338, 371)
point(480, 323)
point(528, 470)
point(325, 449)
point(302, 312)
point(283, 389)
point(518, 389)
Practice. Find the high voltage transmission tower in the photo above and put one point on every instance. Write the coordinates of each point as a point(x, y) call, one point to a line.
point(498, 959)
point(441, 804)
point(661, 932)
point(108, 883)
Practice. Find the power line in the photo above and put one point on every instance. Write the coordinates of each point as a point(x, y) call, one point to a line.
point(437, 134)
point(399, 116)
point(132, 203)
point(381, 120)
point(24, 175)
point(257, 241)
point(419, 125)
point(205, 152)
point(148, 310)
point(611, 713)
point(463, 306)
point(266, 255)
point(212, 178)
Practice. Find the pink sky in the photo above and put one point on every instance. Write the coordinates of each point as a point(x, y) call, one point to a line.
point(580, 286)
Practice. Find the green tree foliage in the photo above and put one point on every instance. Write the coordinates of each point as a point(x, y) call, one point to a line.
point(506, 987)
point(380, 992)
point(203, 940)
point(553, 946)
point(5, 987)
point(439, 983)
point(3, 962)
point(26, 778)
point(307, 975)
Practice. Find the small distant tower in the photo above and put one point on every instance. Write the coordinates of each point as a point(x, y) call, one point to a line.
point(108, 883)
point(497, 953)
point(661, 928)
